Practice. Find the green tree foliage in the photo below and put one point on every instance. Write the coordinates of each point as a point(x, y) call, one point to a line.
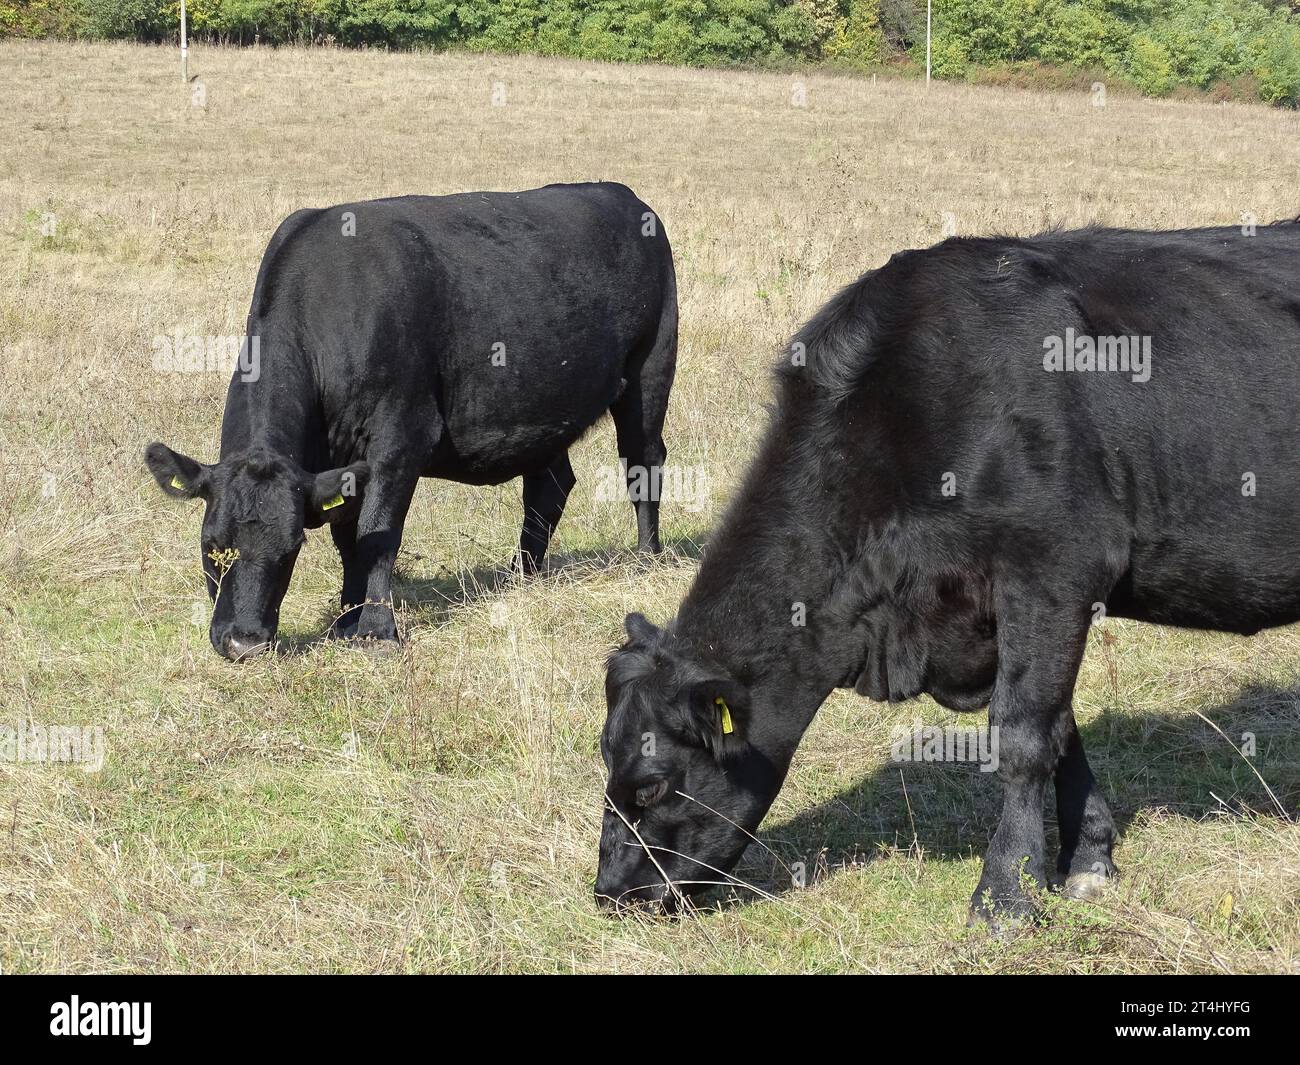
point(1156, 45)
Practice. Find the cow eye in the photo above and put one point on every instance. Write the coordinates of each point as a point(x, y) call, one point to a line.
point(649, 794)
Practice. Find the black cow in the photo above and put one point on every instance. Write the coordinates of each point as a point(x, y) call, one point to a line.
point(472, 337)
point(945, 498)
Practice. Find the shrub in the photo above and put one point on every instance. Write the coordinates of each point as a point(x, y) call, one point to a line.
point(856, 41)
point(902, 22)
point(140, 19)
point(1149, 65)
point(1277, 67)
point(41, 18)
point(948, 58)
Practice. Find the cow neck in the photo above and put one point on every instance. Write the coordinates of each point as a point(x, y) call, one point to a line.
point(762, 607)
point(277, 411)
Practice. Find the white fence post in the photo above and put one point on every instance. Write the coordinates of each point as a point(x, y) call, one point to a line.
point(927, 38)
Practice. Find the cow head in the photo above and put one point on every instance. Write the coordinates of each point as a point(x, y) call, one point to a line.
point(257, 506)
point(687, 783)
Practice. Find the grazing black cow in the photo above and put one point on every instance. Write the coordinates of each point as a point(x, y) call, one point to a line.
point(472, 337)
point(973, 448)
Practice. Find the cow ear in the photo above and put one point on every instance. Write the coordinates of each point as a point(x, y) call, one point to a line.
point(640, 631)
point(335, 495)
point(179, 476)
point(718, 715)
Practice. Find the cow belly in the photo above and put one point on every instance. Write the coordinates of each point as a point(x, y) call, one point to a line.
point(1198, 586)
point(1215, 535)
point(495, 456)
point(500, 423)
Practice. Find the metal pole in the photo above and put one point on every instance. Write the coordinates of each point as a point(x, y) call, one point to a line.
point(185, 47)
point(927, 37)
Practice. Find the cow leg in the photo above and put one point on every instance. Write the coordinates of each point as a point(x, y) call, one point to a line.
point(369, 554)
point(639, 421)
point(545, 494)
point(1040, 646)
point(1087, 830)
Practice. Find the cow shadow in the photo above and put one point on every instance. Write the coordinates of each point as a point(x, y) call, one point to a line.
point(946, 811)
point(435, 599)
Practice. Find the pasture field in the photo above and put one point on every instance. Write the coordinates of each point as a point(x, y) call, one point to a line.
point(438, 810)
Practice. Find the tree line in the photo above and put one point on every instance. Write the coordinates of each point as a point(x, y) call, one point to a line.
point(1233, 49)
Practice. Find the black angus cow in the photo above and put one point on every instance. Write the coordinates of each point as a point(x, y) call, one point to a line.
point(949, 485)
point(472, 337)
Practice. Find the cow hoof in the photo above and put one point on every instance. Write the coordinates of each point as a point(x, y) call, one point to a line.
point(379, 647)
point(1085, 886)
point(525, 567)
point(1004, 917)
point(1001, 924)
point(1085, 880)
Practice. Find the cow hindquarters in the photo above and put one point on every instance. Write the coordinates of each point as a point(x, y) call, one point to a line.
point(639, 422)
point(1041, 636)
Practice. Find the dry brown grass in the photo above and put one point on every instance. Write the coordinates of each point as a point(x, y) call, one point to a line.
point(234, 828)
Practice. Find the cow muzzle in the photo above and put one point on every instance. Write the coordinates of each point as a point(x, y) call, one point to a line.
point(240, 646)
point(627, 897)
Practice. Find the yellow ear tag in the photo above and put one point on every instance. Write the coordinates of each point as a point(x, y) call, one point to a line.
point(177, 483)
point(337, 501)
point(727, 727)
